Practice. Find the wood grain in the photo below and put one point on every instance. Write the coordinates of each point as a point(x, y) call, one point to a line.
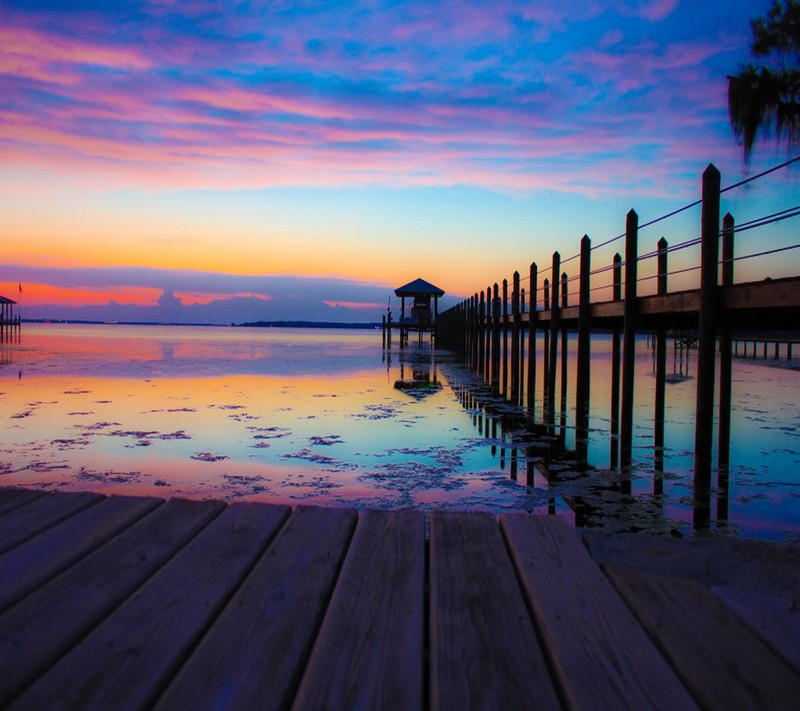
point(26, 521)
point(369, 653)
point(724, 662)
point(602, 656)
point(128, 659)
point(36, 560)
point(253, 656)
point(47, 623)
point(484, 649)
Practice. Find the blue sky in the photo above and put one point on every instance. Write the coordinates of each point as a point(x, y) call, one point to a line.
point(212, 150)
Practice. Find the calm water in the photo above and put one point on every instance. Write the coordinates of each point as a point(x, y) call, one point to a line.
point(316, 416)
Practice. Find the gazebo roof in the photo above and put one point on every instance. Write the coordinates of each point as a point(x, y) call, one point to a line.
point(4, 300)
point(418, 286)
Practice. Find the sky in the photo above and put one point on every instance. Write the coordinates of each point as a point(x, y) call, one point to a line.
point(221, 162)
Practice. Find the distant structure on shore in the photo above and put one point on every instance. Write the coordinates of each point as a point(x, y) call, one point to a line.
point(9, 321)
point(422, 318)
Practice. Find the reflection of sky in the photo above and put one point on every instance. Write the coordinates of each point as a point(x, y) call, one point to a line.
point(314, 416)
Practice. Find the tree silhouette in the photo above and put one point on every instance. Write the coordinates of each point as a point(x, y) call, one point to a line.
point(767, 97)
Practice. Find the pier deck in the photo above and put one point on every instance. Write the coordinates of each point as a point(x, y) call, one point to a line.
point(128, 603)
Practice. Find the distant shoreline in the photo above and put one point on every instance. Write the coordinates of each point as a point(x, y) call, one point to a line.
point(250, 324)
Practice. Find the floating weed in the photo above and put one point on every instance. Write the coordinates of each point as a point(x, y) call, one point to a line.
point(209, 457)
point(110, 476)
point(325, 441)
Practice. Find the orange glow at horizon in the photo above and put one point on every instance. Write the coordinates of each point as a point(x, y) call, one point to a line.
point(38, 294)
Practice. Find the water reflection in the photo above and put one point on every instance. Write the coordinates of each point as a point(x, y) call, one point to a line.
point(330, 417)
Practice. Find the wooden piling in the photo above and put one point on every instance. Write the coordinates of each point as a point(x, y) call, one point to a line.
point(496, 339)
point(706, 342)
point(505, 339)
point(532, 312)
point(725, 377)
point(554, 323)
point(584, 354)
point(661, 379)
point(629, 338)
point(616, 351)
point(515, 322)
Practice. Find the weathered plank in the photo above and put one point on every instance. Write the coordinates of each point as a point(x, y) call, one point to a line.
point(39, 515)
point(47, 623)
point(776, 617)
point(11, 498)
point(253, 655)
point(602, 656)
point(39, 558)
point(126, 661)
point(725, 664)
point(369, 653)
point(484, 649)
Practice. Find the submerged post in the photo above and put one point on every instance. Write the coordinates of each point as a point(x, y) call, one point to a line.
point(706, 341)
point(725, 374)
point(629, 337)
point(532, 296)
point(616, 349)
point(553, 357)
point(515, 320)
point(661, 377)
point(584, 354)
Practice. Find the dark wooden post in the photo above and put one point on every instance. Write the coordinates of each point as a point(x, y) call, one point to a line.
point(725, 375)
point(706, 341)
point(584, 355)
point(515, 339)
point(554, 319)
point(496, 339)
point(487, 364)
point(481, 333)
point(562, 434)
point(629, 338)
point(532, 313)
point(546, 352)
point(661, 377)
point(505, 338)
point(616, 349)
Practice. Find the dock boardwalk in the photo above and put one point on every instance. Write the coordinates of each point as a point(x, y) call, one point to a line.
point(139, 603)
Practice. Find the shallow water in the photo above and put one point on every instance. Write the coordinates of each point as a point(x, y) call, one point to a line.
point(315, 416)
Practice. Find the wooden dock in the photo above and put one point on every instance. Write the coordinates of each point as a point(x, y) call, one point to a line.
point(133, 603)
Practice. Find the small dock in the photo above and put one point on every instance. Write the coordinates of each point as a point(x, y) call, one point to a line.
point(144, 603)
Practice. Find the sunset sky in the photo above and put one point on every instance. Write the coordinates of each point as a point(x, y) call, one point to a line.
point(232, 161)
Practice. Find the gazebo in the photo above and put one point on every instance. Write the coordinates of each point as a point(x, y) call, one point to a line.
point(422, 317)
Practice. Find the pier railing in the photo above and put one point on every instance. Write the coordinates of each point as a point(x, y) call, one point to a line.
point(716, 314)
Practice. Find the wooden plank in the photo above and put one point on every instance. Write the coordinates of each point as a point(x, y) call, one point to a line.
point(39, 515)
point(774, 616)
point(253, 655)
point(603, 658)
point(47, 623)
point(369, 653)
point(11, 498)
point(721, 659)
point(484, 649)
point(126, 661)
point(31, 563)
